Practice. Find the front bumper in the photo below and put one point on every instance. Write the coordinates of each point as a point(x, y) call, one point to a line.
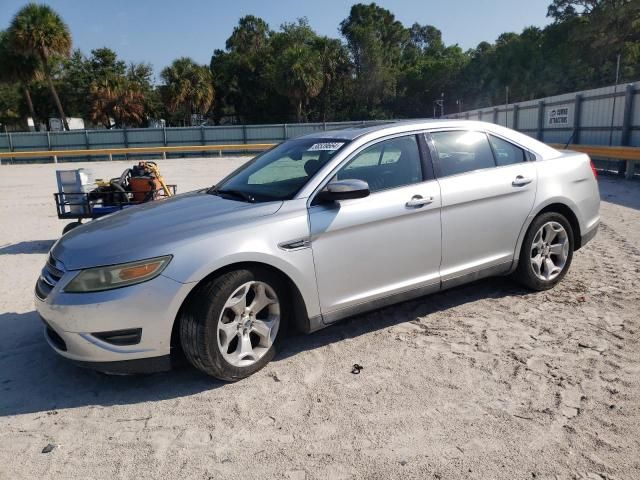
point(79, 326)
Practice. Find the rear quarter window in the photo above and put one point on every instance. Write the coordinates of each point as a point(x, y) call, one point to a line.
point(506, 153)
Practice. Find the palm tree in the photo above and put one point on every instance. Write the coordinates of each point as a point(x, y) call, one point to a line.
point(334, 60)
point(38, 31)
point(20, 69)
point(116, 98)
point(297, 71)
point(299, 76)
point(188, 87)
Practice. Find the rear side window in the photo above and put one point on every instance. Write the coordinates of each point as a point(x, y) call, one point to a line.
point(506, 153)
point(462, 151)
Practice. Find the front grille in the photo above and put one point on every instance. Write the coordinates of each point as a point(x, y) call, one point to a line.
point(49, 277)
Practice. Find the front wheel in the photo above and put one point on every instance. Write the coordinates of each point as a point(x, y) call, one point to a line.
point(547, 251)
point(231, 323)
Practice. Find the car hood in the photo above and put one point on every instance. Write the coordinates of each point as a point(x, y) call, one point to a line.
point(153, 229)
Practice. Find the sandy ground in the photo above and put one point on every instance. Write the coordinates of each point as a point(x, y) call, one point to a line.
point(484, 381)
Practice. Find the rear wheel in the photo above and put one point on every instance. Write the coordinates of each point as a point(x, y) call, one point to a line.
point(547, 251)
point(230, 325)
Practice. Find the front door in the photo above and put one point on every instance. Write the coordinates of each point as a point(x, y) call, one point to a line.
point(383, 246)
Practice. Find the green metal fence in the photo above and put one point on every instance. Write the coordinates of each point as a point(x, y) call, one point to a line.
point(157, 137)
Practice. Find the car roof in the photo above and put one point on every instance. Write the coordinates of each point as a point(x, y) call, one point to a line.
point(395, 127)
point(351, 133)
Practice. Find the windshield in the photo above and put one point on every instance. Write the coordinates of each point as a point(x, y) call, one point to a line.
point(279, 173)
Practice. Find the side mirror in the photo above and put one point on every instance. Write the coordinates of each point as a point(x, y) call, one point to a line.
point(343, 190)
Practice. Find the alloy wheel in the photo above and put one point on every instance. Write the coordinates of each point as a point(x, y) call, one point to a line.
point(248, 324)
point(549, 251)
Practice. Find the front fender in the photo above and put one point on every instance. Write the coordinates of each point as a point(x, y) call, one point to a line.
point(256, 242)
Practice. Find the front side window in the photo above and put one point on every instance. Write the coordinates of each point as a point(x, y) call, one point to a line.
point(506, 153)
point(281, 172)
point(387, 164)
point(462, 151)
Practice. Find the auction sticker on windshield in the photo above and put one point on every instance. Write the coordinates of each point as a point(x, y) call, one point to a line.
point(325, 146)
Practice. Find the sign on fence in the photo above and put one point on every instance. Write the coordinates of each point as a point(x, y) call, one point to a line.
point(558, 117)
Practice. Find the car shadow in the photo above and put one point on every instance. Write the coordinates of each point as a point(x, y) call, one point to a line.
point(614, 189)
point(383, 318)
point(35, 379)
point(31, 246)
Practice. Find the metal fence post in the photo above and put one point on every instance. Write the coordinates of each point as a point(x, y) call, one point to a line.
point(244, 134)
point(164, 135)
point(626, 116)
point(11, 146)
point(202, 141)
point(284, 126)
point(516, 113)
point(86, 142)
point(49, 142)
point(577, 112)
point(540, 130)
point(125, 140)
point(479, 115)
point(495, 115)
point(625, 138)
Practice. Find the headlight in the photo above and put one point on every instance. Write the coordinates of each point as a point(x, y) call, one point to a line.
point(116, 276)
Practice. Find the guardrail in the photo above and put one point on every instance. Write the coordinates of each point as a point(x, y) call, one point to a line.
point(618, 153)
point(628, 154)
point(109, 152)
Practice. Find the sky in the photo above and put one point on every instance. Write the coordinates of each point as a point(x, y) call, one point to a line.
point(159, 31)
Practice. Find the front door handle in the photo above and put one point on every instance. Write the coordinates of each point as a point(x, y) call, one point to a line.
point(521, 181)
point(418, 201)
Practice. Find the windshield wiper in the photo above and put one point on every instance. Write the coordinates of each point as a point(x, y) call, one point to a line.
point(232, 193)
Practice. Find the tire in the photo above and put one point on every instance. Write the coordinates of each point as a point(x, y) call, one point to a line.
point(534, 271)
point(70, 226)
point(213, 334)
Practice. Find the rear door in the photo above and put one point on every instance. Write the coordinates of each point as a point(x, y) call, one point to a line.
point(488, 188)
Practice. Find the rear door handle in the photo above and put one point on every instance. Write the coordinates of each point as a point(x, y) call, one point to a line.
point(418, 201)
point(521, 181)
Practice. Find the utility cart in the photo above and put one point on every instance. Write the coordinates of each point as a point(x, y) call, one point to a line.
point(80, 198)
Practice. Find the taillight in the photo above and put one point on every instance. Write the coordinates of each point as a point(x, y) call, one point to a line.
point(593, 169)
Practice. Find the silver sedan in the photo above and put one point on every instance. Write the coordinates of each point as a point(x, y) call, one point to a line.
point(317, 229)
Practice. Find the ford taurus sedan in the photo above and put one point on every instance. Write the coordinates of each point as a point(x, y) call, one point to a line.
point(316, 229)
